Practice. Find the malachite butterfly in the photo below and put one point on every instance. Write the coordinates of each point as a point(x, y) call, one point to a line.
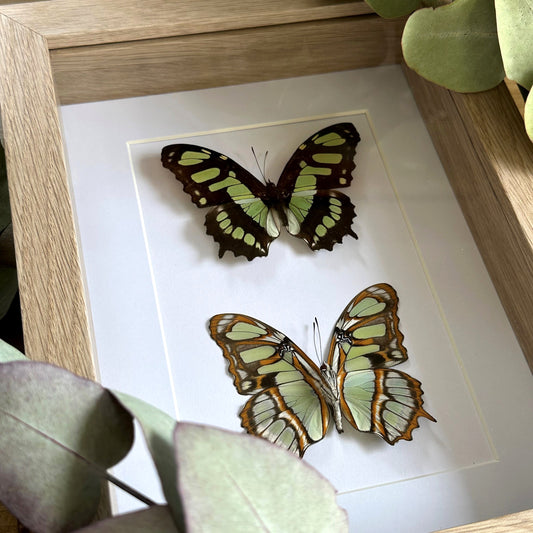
point(292, 399)
point(246, 214)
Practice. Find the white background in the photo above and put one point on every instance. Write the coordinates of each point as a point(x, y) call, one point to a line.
point(154, 279)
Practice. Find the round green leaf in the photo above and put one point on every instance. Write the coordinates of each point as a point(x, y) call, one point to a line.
point(515, 32)
point(455, 45)
point(241, 483)
point(528, 115)
point(156, 519)
point(158, 429)
point(58, 434)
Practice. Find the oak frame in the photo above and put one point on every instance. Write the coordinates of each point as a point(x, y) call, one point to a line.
point(58, 51)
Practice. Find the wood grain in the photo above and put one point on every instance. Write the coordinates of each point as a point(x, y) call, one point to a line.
point(513, 523)
point(56, 327)
point(67, 23)
point(139, 68)
point(489, 161)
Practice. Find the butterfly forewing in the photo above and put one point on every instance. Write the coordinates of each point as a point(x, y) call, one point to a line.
point(209, 177)
point(240, 222)
point(324, 161)
point(367, 334)
point(286, 406)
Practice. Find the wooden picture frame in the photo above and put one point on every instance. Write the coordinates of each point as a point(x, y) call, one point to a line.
point(62, 52)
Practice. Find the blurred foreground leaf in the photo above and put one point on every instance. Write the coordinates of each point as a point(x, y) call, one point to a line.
point(394, 8)
point(241, 483)
point(8, 353)
point(158, 429)
point(515, 32)
point(528, 115)
point(455, 45)
point(156, 519)
point(8, 288)
point(58, 434)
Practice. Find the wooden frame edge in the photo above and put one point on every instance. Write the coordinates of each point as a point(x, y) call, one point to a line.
point(54, 310)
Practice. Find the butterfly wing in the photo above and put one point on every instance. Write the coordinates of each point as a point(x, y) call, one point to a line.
point(286, 406)
point(315, 212)
point(366, 342)
point(241, 221)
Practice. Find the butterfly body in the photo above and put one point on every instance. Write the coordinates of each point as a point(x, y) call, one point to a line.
point(247, 215)
point(293, 400)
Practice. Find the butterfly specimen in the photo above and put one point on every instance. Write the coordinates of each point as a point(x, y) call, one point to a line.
point(292, 399)
point(246, 214)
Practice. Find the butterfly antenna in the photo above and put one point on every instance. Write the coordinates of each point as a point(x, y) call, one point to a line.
point(317, 335)
point(261, 170)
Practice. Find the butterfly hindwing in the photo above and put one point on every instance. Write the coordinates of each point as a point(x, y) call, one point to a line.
point(366, 342)
point(321, 219)
point(242, 229)
point(286, 406)
point(383, 401)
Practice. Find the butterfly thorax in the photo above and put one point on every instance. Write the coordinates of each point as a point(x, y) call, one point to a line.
point(275, 197)
point(330, 390)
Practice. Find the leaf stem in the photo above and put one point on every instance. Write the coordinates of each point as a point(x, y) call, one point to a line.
point(126, 488)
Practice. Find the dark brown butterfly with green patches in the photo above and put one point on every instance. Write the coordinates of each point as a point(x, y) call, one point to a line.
point(246, 214)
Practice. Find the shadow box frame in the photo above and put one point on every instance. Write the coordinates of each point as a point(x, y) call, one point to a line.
point(60, 52)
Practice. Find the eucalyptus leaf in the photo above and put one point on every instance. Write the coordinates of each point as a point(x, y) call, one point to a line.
point(455, 45)
point(241, 483)
point(528, 115)
point(58, 434)
point(8, 288)
point(515, 31)
point(8, 353)
point(158, 429)
point(5, 210)
point(394, 8)
point(156, 519)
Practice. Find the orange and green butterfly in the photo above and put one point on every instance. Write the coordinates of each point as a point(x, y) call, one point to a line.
point(293, 400)
point(246, 215)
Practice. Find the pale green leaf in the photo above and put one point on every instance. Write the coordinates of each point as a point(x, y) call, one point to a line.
point(8, 353)
point(58, 434)
point(156, 519)
point(243, 483)
point(528, 115)
point(515, 32)
point(158, 429)
point(455, 45)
